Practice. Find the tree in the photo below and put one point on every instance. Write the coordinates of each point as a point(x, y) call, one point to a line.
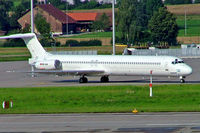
point(127, 20)
point(173, 2)
point(105, 21)
point(102, 24)
point(4, 16)
point(197, 1)
point(88, 5)
point(42, 26)
point(18, 12)
point(132, 21)
point(163, 27)
point(77, 2)
point(118, 2)
point(60, 4)
point(97, 25)
point(153, 6)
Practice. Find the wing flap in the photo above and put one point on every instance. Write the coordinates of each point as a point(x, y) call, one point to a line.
point(72, 72)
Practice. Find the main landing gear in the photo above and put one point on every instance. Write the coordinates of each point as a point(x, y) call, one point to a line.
point(104, 79)
point(83, 79)
point(182, 79)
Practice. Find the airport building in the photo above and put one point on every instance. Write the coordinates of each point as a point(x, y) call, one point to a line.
point(61, 22)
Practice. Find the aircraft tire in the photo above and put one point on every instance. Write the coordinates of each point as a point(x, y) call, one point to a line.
point(182, 81)
point(104, 79)
point(83, 80)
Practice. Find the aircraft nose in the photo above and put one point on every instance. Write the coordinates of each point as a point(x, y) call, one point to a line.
point(188, 70)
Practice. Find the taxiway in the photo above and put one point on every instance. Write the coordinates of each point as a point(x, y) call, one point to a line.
point(9, 78)
point(105, 123)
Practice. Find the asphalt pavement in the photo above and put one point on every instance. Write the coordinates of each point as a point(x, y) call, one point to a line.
point(18, 78)
point(102, 123)
point(92, 123)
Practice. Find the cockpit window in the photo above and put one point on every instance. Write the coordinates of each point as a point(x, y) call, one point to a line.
point(177, 62)
point(180, 61)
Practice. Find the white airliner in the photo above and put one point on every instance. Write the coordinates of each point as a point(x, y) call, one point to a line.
point(101, 65)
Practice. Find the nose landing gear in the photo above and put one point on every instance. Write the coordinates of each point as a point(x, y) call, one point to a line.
point(182, 79)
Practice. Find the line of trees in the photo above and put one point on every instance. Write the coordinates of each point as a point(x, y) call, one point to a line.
point(78, 4)
point(10, 13)
point(176, 2)
point(138, 21)
point(143, 21)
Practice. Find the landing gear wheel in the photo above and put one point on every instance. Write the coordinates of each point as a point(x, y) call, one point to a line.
point(83, 80)
point(182, 81)
point(104, 79)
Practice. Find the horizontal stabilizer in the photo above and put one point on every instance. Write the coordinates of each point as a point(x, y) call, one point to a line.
point(27, 35)
point(32, 43)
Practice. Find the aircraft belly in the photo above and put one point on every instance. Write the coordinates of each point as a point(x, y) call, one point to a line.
point(71, 67)
point(130, 71)
point(121, 70)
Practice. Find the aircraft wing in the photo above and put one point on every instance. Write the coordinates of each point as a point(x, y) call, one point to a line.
point(70, 72)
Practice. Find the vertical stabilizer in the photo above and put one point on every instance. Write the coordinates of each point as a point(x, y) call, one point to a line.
point(32, 43)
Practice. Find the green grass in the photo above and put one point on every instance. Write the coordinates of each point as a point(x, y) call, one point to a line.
point(14, 58)
point(17, 2)
point(193, 25)
point(93, 35)
point(14, 54)
point(22, 53)
point(102, 99)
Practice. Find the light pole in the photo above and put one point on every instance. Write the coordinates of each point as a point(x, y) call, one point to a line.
point(32, 17)
point(113, 25)
point(67, 18)
point(185, 22)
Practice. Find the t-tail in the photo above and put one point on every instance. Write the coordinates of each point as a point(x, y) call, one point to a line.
point(32, 43)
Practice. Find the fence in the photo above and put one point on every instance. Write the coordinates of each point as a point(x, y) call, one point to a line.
point(183, 53)
point(90, 52)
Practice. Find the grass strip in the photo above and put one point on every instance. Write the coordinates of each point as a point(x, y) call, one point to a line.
point(93, 35)
point(14, 58)
point(102, 99)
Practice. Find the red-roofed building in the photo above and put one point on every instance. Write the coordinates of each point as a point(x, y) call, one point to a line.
point(83, 20)
point(83, 17)
point(57, 19)
point(60, 21)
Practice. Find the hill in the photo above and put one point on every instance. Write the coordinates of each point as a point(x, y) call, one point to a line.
point(192, 34)
point(191, 9)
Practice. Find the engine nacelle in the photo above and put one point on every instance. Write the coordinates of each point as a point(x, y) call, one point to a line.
point(49, 65)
